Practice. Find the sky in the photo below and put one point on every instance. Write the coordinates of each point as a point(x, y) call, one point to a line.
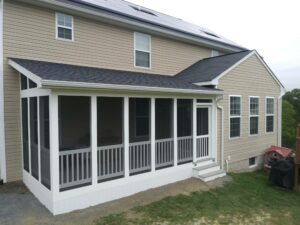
point(272, 27)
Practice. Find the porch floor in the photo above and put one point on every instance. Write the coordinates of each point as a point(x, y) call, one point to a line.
point(19, 206)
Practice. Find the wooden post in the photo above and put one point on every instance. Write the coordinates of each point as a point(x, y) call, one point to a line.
point(297, 160)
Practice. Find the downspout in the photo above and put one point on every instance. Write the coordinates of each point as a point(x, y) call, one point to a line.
point(279, 119)
point(222, 130)
point(3, 177)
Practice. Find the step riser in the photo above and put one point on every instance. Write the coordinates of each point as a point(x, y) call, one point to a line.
point(213, 177)
point(204, 163)
point(208, 170)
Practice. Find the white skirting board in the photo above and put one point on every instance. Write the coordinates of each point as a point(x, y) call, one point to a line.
point(84, 197)
point(39, 191)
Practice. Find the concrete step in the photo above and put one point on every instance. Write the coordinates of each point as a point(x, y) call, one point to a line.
point(212, 175)
point(203, 162)
point(200, 170)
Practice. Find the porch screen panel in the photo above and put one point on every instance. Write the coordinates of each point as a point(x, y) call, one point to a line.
point(202, 121)
point(110, 121)
point(139, 119)
point(34, 137)
point(184, 117)
point(163, 118)
point(74, 122)
point(44, 141)
point(25, 133)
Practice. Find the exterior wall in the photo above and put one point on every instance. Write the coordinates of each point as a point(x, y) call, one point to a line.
point(250, 78)
point(29, 32)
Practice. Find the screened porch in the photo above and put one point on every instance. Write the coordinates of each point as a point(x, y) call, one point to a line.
point(103, 138)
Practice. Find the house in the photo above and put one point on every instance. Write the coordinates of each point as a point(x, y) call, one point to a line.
point(104, 99)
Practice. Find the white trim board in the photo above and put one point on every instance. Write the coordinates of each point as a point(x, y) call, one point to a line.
point(215, 81)
point(3, 174)
point(25, 72)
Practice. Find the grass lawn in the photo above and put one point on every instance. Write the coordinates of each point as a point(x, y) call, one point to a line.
point(248, 199)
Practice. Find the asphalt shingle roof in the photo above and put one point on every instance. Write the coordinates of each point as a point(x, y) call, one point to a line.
point(209, 68)
point(73, 73)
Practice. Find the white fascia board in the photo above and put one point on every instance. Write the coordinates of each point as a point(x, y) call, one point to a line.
point(25, 72)
point(133, 23)
point(213, 82)
point(83, 85)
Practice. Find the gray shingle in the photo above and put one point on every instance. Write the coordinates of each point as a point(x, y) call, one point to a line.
point(73, 73)
point(209, 68)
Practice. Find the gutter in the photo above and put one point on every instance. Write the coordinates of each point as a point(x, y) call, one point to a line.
point(83, 85)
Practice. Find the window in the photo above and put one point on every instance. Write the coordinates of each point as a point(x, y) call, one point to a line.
point(64, 27)
point(252, 162)
point(235, 116)
point(254, 115)
point(142, 49)
point(214, 53)
point(269, 114)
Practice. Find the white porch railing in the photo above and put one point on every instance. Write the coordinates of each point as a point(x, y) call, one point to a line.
point(164, 152)
point(139, 157)
point(110, 160)
point(185, 149)
point(203, 146)
point(74, 167)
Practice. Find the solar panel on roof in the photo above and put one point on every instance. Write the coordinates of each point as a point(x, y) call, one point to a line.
point(124, 7)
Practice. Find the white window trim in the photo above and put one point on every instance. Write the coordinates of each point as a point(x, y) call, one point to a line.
point(240, 116)
point(57, 26)
point(250, 116)
point(255, 164)
point(269, 114)
point(135, 49)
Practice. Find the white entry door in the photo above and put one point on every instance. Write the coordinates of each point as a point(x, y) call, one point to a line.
point(203, 138)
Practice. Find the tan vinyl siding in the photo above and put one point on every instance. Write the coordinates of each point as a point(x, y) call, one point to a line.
point(250, 78)
point(29, 32)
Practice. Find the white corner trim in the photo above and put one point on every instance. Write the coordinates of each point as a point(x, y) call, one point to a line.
point(25, 72)
point(3, 174)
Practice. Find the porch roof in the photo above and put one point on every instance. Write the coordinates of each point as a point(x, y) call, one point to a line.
point(48, 74)
point(208, 69)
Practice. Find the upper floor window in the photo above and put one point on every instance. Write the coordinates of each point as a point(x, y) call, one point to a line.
point(269, 114)
point(64, 27)
point(214, 53)
point(254, 115)
point(235, 116)
point(142, 50)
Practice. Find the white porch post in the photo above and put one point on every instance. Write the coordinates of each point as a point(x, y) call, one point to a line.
point(126, 136)
point(175, 131)
point(94, 136)
point(54, 146)
point(152, 120)
point(194, 129)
